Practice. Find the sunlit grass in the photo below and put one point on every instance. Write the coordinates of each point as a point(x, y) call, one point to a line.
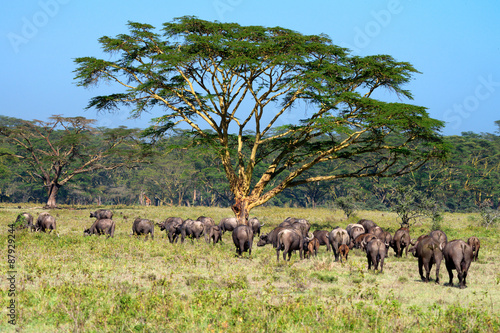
point(77, 283)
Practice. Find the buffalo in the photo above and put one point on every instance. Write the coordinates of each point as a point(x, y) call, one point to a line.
point(298, 224)
point(375, 253)
point(102, 214)
point(25, 220)
point(311, 247)
point(45, 222)
point(429, 251)
point(386, 237)
point(475, 245)
point(323, 236)
point(271, 237)
point(228, 224)
point(338, 236)
point(213, 233)
point(368, 225)
point(192, 229)
point(414, 244)
point(440, 237)
point(289, 240)
point(458, 256)
point(206, 220)
point(172, 227)
point(101, 227)
point(143, 227)
point(377, 231)
point(361, 241)
point(354, 230)
point(401, 241)
point(243, 239)
point(344, 252)
point(255, 224)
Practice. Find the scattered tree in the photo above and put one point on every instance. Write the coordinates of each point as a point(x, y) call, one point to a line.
point(489, 216)
point(64, 147)
point(241, 82)
point(412, 205)
point(347, 204)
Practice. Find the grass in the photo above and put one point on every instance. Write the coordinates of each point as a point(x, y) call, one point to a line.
point(73, 283)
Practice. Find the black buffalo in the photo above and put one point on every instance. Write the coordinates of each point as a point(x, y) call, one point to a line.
point(172, 227)
point(45, 222)
point(102, 214)
point(458, 256)
point(243, 239)
point(323, 236)
point(192, 229)
point(401, 241)
point(101, 227)
point(429, 251)
point(290, 240)
point(143, 227)
point(25, 220)
point(375, 253)
point(228, 224)
point(213, 233)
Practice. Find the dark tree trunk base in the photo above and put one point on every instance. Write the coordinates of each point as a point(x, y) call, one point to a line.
point(240, 209)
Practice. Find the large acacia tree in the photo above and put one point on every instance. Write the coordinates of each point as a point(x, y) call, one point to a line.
point(57, 150)
point(235, 87)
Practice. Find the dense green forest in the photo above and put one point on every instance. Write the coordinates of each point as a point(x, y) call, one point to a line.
point(178, 171)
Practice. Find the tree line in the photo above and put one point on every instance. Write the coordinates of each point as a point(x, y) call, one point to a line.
point(233, 86)
point(178, 170)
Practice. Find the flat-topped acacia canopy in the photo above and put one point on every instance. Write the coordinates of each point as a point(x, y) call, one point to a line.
point(224, 76)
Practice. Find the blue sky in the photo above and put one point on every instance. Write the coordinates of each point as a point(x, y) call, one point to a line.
point(455, 44)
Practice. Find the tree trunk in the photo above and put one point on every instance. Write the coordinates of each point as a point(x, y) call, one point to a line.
point(141, 198)
point(53, 190)
point(241, 211)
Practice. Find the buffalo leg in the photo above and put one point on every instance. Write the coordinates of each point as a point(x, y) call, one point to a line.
point(461, 283)
point(461, 272)
point(375, 261)
point(438, 264)
point(450, 274)
point(428, 270)
point(420, 269)
point(335, 249)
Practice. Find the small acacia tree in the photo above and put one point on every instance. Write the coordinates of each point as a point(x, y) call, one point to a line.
point(58, 150)
point(410, 205)
point(489, 216)
point(240, 82)
point(347, 204)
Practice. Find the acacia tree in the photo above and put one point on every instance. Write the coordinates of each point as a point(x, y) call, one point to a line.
point(64, 147)
point(233, 85)
point(410, 205)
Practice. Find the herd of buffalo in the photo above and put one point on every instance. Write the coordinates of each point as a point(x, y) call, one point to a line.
point(293, 235)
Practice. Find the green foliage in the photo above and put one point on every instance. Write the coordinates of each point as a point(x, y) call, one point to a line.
point(489, 216)
point(186, 172)
point(223, 80)
point(347, 204)
point(412, 205)
point(63, 148)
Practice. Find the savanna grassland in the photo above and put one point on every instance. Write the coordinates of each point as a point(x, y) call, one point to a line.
point(71, 283)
